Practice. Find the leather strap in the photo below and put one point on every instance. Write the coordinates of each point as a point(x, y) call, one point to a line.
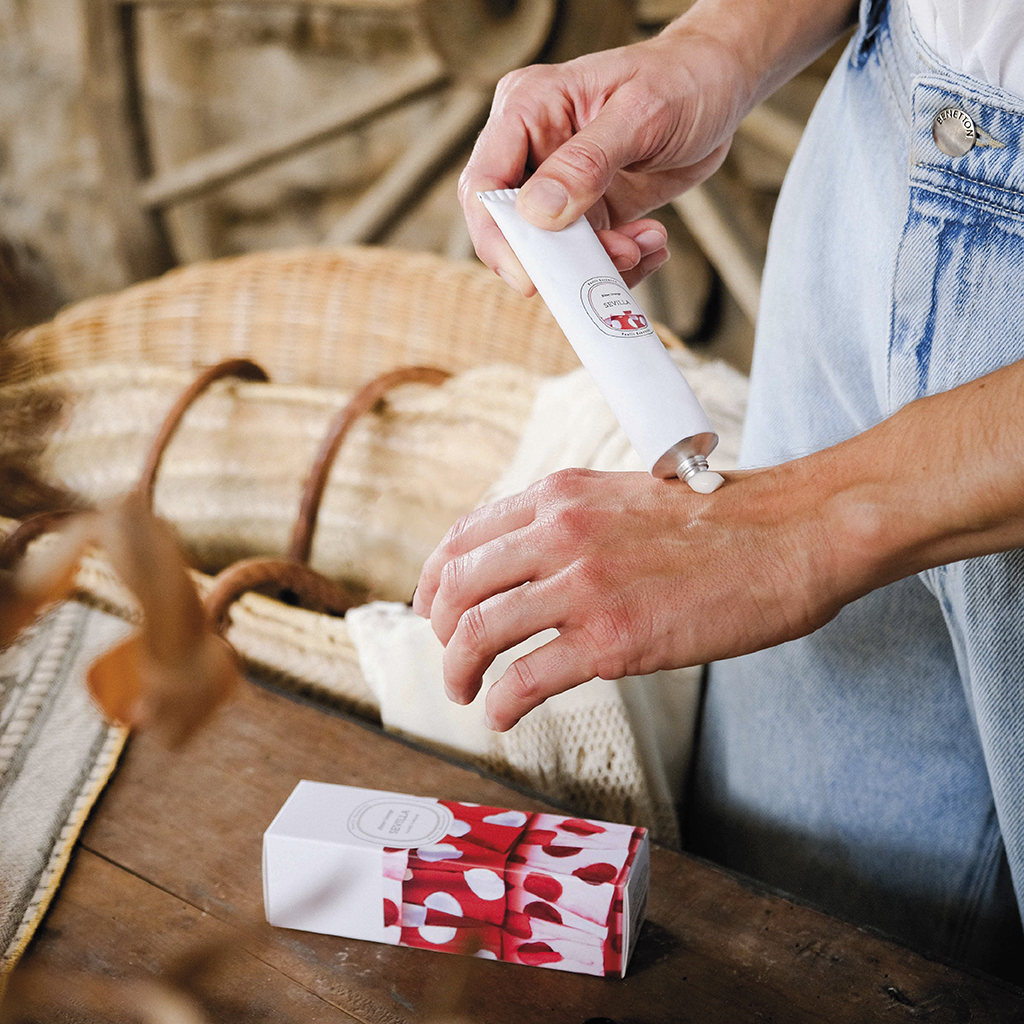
point(314, 590)
point(292, 574)
point(15, 543)
point(245, 369)
point(361, 402)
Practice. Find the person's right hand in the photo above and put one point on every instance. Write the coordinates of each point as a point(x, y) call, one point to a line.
point(611, 135)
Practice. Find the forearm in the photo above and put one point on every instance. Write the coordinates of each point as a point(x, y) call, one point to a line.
point(941, 480)
point(771, 39)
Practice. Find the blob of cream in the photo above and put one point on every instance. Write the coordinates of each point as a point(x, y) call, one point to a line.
point(706, 481)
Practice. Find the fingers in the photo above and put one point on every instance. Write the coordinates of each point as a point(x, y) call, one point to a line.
point(636, 249)
point(466, 580)
point(486, 630)
point(489, 242)
point(577, 174)
point(554, 668)
point(641, 245)
point(575, 169)
point(498, 161)
point(646, 266)
point(479, 527)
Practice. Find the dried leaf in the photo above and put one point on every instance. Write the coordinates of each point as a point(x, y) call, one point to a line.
point(171, 675)
point(45, 574)
point(29, 411)
point(115, 681)
point(47, 995)
point(145, 555)
point(173, 699)
point(22, 493)
point(158, 1003)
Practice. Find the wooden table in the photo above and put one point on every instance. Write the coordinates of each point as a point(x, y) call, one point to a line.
point(171, 860)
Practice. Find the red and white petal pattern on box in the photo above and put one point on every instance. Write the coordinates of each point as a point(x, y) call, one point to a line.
point(559, 954)
point(493, 827)
point(479, 893)
point(394, 871)
point(452, 854)
point(523, 926)
point(482, 940)
point(564, 893)
point(535, 889)
point(555, 830)
point(593, 866)
point(541, 910)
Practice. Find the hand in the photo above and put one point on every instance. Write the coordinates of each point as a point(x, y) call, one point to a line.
point(612, 135)
point(637, 574)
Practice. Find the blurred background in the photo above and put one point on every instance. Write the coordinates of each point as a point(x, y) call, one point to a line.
point(138, 136)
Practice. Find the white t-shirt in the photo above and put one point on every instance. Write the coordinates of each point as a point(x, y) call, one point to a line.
point(982, 38)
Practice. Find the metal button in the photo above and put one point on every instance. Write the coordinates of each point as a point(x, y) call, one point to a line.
point(953, 131)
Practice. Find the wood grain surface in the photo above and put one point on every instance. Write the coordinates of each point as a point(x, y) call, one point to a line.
point(170, 864)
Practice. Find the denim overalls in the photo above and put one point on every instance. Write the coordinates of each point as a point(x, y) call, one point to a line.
point(876, 767)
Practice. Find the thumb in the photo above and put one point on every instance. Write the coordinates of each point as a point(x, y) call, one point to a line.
point(577, 174)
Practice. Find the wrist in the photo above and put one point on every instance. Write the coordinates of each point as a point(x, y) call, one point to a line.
point(716, 29)
point(782, 517)
point(832, 523)
point(769, 42)
point(870, 541)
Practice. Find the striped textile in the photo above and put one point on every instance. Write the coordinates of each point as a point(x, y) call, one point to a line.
point(56, 754)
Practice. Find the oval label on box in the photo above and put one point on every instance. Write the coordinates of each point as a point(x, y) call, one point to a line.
point(613, 309)
point(392, 821)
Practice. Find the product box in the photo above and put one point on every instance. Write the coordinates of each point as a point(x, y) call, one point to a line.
point(537, 889)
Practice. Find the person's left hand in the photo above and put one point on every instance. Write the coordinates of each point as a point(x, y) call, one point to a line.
point(637, 574)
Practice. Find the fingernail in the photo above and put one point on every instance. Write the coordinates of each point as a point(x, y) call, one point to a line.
point(452, 696)
point(650, 240)
point(545, 197)
point(489, 722)
point(510, 281)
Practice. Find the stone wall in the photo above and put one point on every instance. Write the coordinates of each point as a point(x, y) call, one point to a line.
point(205, 77)
point(53, 215)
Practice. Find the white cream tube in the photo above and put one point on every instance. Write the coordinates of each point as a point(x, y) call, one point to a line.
point(615, 342)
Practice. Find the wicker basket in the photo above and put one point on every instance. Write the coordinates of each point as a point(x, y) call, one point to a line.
point(321, 323)
point(324, 318)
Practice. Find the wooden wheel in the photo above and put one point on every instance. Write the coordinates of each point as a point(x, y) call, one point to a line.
point(474, 43)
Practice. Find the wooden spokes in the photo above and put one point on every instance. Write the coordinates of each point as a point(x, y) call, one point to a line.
point(480, 41)
point(225, 164)
point(475, 43)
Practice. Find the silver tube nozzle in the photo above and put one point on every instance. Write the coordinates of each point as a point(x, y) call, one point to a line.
point(690, 466)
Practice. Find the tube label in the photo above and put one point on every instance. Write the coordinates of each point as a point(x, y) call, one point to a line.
point(614, 311)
